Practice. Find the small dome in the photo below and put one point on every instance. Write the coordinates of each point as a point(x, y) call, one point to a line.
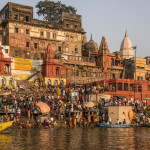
point(91, 46)
point(126, 50)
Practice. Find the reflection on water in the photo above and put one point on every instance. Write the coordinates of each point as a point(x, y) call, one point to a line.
point(76, 139)
point(5, 140)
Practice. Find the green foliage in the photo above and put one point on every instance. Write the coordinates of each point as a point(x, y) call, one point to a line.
point(52, 11)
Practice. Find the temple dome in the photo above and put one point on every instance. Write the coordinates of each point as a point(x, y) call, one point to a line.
point(91, 46)
point(126, 50)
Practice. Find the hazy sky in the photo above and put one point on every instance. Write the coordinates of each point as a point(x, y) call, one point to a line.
point(110, 18)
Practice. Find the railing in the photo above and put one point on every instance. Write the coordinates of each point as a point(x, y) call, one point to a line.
point(79, 60)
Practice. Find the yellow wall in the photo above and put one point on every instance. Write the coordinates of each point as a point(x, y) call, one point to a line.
point(119, 112)
point(53, 79)
point(7, 80)
point(141, 67)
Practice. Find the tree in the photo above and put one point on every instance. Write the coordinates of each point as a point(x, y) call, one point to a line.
point(52, 11)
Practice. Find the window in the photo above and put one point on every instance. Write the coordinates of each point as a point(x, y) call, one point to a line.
point(62, 82)
point(126, 86)
point(49, 82)
point(3, 81)
point(16, 53)
point(140, 88)
point(55, 83)
point(27, 18)
point(27, 31)
point(11, 81)
point(67, 49)
point(148, 87)
point(16, 17)
point(113, 76)
point(6, 51)
point(119, 86)
point(48, 35)
point(67, 37)
point(42, 33)
point(57, 71)
point(27, 44)
point(71, 38)
point(27, 55)
point(35, 45)
point(120, 76)
point(76, 39)
point(76, 50)
point(54, 35)
point(59, 49)
point(6, 69)
point(42, 44)
point(21, 18)
point(16, 30)
point(67, 25)
point(42, 55)
point(75, 26)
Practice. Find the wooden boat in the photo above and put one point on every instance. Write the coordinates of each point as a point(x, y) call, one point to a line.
point(100, 125)
point(5, 125)
point(113, 125)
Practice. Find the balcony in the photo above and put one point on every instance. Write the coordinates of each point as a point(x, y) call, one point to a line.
point(78, 60)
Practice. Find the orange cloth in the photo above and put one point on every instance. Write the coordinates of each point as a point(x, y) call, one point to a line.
point(75, 122)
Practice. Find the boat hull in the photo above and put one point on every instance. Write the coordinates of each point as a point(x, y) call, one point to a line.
point(114, 125)
point(5, 125)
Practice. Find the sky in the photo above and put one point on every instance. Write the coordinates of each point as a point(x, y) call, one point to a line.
point(110, 18)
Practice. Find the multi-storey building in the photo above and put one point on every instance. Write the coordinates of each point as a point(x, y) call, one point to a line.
point(28, 38)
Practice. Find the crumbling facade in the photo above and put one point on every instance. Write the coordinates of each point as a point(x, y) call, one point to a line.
point(28, 38)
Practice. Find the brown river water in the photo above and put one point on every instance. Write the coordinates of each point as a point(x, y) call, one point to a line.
point(76, 139)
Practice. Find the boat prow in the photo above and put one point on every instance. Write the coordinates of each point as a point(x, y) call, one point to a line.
point(5, 125)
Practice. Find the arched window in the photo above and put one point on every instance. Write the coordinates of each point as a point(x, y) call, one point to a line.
point(11, 82)
point(49, 82)
point(6, 69)
point(62, 82)
point(55, 83)
point(3, 81)
point(57, 71)
point(113, 76)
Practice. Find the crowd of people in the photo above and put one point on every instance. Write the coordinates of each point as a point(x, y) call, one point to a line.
point(66, 104)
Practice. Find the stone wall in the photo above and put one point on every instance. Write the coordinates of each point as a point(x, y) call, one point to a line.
point(119, 112)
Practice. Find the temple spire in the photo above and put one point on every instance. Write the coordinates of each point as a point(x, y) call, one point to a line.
point(126, 35)
point(91, 36)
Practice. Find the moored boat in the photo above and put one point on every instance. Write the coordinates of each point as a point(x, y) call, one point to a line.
point(114, 125)
point(5, 125)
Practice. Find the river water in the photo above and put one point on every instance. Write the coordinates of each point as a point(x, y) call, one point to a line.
point(76, 139)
